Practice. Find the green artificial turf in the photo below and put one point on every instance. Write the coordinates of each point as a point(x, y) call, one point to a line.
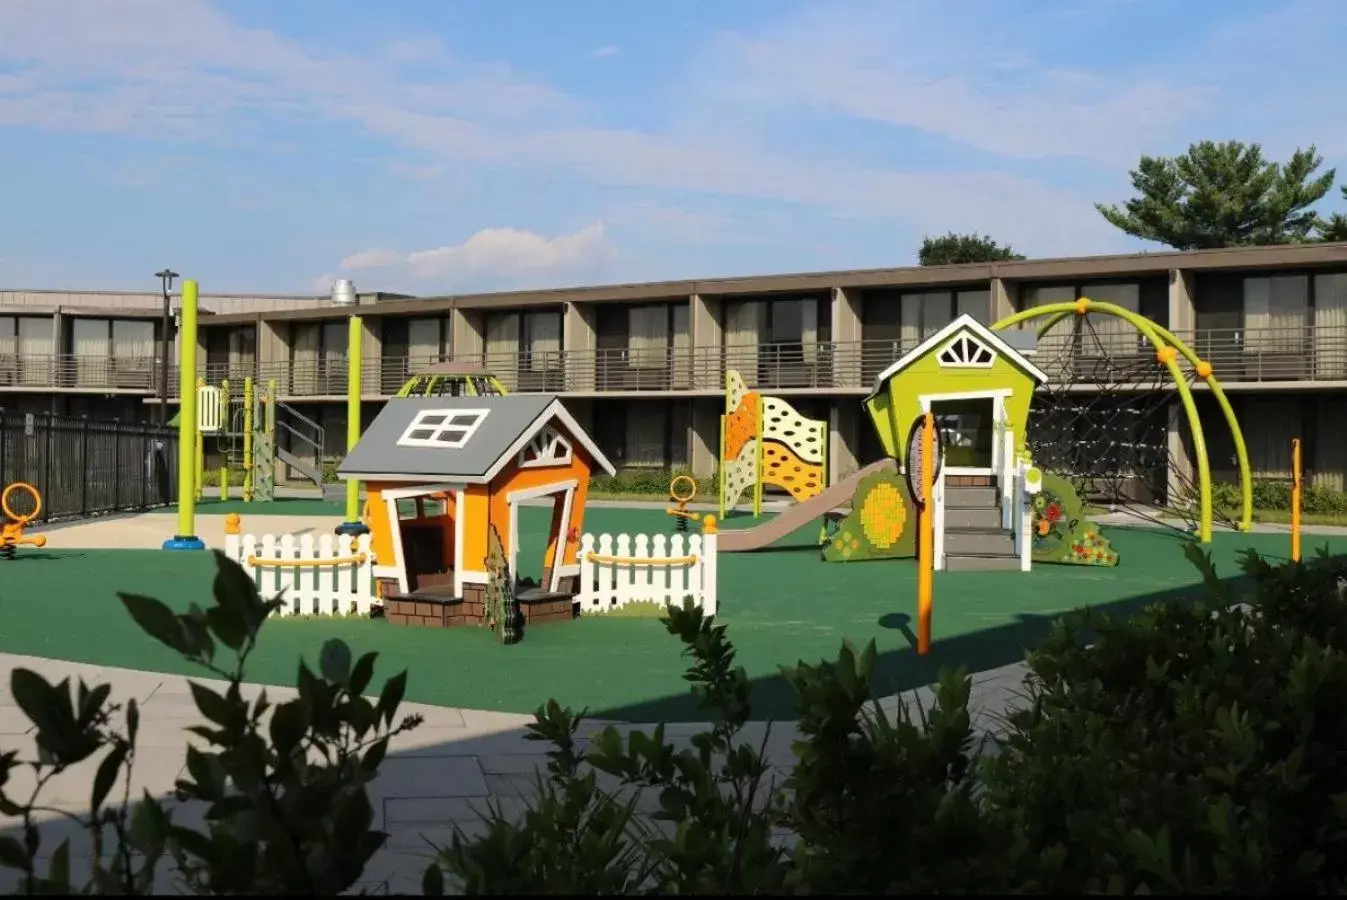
point(780, 606)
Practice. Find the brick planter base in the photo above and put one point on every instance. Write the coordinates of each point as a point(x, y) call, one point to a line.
point(435, 612)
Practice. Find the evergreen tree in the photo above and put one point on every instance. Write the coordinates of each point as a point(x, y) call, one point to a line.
point(1335, 229)
point(955, 249)
point(1223, 195)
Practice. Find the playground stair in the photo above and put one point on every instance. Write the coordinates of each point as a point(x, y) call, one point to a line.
point(309, 438)
point(974, 538)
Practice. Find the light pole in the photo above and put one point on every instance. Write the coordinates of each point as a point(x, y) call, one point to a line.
point(166, 278)
point(344, 295)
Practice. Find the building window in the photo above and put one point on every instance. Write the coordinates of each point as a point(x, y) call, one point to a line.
point(542, 340)
point(443, 428)
point(648, 336)
point(1115, 336)
point(427, 342)
point(1276, 313)
point(107, 352)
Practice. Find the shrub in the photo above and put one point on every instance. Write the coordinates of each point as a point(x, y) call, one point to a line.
point(651, 482)
point(1198, 746)
point(288, 809)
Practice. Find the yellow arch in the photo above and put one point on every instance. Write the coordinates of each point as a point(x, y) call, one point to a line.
point(1161, 338)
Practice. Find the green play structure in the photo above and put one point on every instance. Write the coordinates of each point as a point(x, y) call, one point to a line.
point(993, 507)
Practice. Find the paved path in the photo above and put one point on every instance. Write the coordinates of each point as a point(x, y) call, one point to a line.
point(434, 777)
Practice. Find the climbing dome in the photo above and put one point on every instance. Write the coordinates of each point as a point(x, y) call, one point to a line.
point(1102, 419)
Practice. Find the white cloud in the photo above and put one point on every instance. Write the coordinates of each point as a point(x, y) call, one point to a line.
point(606, 51)
point(182, 69)
point(492, 255)
point(913, 67)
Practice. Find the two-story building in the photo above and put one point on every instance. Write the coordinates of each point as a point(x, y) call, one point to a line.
point(642, 365)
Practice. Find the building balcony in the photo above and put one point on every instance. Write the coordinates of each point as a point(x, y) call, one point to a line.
point(1239, 356)
point(86, 374)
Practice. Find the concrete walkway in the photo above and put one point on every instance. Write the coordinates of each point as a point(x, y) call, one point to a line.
point(434, 778)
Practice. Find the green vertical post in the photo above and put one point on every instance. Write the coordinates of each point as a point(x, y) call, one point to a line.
point(354, 364)
point(186, 538)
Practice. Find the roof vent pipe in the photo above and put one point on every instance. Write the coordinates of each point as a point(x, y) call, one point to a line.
point(343, 293)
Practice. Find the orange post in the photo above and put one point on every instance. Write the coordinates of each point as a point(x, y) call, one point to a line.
point(926, 536)
point(1295, 499)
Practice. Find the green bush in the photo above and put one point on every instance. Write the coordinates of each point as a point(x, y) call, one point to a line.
point(651, 482)
point(288, 810)
point(1197, 747)
point(1275, 496)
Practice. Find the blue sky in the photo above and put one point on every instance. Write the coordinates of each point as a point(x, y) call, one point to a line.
point(436, 146)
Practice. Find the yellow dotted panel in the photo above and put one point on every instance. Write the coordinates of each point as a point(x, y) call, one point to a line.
point(806, 438)
point(883, 516)
point(784, 469)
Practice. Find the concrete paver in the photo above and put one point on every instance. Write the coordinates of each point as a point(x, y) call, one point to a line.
point(434, 778)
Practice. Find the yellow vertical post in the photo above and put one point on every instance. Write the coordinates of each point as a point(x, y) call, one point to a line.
point(1295, 500)
point(354, 350)
point(926, 536)
point(247, 439)
point(222, 437)
point(186, 538)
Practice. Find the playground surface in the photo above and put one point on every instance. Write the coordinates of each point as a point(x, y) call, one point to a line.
point(780, 606)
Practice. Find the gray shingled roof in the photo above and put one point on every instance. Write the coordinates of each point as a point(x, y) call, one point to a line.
point(378, 451)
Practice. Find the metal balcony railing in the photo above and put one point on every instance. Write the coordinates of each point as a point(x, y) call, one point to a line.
point(1237, 355)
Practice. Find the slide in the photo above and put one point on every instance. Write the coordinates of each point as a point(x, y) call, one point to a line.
point(799, 515)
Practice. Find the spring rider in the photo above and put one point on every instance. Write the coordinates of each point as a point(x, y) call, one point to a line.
point(11, 532)
point(682, 490)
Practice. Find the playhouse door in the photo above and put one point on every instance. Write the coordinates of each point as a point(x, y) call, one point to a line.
point(968, 429)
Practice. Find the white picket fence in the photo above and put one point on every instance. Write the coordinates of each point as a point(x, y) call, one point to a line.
point(330, 576)
point(615, 571)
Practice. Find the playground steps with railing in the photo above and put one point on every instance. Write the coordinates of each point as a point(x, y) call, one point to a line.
point(974, 538)
point(310, 439)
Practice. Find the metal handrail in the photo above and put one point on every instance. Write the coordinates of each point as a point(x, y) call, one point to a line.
point(1237, 355)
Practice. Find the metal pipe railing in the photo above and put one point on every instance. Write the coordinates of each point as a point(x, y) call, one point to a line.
point(1237, 355)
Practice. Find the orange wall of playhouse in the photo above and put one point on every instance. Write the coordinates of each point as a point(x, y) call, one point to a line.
point(513, 478)
point(381, 525)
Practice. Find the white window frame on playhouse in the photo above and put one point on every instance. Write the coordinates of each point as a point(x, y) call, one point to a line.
point(452, 422)
point(550, 448)
point(391, 496)
point(974, 343)
point(514, 498)
point(998, 398)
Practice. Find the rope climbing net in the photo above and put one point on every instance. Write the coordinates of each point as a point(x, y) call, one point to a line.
point(1102, 421)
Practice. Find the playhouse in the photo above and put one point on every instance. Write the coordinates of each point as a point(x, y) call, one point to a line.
point(978, 383)
point(441, 473)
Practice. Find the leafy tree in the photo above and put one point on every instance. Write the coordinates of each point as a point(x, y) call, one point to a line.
point(1335, 229)
point(956, 249)
point(285, 784)
point(1223, 195)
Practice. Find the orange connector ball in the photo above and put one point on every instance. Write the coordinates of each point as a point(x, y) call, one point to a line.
point(1166, 355)
point(1204, 370)
point(1082, 306)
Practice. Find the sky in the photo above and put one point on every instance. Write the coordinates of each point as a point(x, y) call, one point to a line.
point(451, 146)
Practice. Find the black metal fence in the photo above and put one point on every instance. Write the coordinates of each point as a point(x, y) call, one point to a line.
point(88, 467)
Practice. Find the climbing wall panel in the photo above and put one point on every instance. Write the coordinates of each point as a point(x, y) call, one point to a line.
point(1060, 531)
point(806, 438)
point(784, 469)
point(882, 523)
point(740, 428)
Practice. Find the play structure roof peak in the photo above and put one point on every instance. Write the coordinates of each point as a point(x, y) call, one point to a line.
point(1012, 346)
point(465, 439)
